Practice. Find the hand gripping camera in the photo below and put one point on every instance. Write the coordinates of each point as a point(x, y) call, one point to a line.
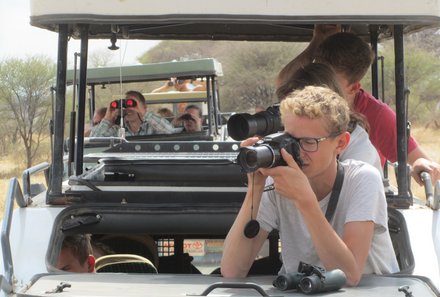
point(244, 125)
point(266, 153)
point(311, 279)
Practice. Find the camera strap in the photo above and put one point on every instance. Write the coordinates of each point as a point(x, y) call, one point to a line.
point(334, 197)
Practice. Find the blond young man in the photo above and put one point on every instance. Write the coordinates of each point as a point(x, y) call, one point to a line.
point(356, 239)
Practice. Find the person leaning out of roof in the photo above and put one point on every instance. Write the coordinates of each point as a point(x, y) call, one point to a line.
point(181, 85)
point(356, 238)
point(137, 120)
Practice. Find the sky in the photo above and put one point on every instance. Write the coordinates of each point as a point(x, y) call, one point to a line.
point(18, 39)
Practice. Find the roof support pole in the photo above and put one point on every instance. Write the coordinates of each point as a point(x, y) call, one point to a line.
point(374, 72)
point(81, 99)
point(56, 177)
point(401, 119)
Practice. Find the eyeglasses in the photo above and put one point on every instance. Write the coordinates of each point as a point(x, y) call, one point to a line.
point(310, 144)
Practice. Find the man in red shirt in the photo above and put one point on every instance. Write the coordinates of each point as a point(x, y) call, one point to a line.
point(351, 58)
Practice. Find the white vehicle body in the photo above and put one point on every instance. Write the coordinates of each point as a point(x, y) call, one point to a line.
point(32, 233)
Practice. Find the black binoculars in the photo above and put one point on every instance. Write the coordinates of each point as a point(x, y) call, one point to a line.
point(311, 279)
point(123, 102)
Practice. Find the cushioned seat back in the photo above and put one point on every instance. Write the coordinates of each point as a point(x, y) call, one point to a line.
point(125, 263)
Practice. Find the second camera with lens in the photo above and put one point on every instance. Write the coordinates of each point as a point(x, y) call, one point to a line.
point(266, 153)
point(244, 125)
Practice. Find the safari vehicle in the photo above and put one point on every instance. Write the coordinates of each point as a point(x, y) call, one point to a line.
point(204, 71)
point(183, 198)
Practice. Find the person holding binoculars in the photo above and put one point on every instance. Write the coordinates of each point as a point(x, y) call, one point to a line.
point(328, 213)
point(135, 119)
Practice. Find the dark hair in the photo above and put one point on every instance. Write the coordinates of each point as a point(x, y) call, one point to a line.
point(80, 246)
point(101, 111)
point(193, 106)
point(347, 54)
point(165, 112)
point(313, 74)
point(318, 74)
point(137, 95)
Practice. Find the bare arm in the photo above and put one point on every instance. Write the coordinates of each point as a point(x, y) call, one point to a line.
point(239, 252)
point(348, 253)
point(308, 55)
point(421, 162)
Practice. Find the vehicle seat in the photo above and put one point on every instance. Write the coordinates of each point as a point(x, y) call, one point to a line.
point(400, 239)
point(136, 244)
point(126, 263)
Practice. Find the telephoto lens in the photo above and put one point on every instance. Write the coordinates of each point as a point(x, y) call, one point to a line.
point(244, 125)
point(329, 281)
point(288, 281)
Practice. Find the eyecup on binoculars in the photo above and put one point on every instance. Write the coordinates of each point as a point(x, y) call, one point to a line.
point(311, 279)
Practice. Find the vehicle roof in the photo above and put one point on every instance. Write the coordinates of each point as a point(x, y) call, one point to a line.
point(229, 19)
point(103, 284)
point(150, 72)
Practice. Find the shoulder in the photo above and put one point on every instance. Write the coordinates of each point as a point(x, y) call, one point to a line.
point(360, 171)
point(366, 102)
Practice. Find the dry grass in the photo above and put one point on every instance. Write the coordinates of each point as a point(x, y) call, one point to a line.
point(9, 167)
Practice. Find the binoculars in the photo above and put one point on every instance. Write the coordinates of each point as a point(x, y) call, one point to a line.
point(311, 279)
point(124, 103)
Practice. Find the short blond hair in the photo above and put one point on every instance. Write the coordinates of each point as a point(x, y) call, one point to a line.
point(316, 102)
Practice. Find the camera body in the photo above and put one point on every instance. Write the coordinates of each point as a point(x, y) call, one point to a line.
point(124, 103)
point(311, 279)
point(266, 153)
point(244, 125)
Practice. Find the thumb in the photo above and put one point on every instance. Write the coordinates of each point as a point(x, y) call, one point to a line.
point(288, 158)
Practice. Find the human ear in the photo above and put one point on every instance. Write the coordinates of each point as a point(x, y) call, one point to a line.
point(343, 141)
point(354, 88)
point(91, 263)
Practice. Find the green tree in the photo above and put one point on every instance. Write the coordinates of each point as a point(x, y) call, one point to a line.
point(25, 92)
point(249, 68)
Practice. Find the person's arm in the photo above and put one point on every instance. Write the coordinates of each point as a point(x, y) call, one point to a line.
point(239, 252)
point(159, 124)
point(164, 88)
point(105, 129)
point(320, 32)
point(348, 253)
point(421, 162)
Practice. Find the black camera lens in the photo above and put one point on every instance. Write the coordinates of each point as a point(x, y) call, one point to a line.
point(266, 153)
point(253, 157)
point(244, 125)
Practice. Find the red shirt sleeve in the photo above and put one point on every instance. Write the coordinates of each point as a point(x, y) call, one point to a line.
point(382, 121)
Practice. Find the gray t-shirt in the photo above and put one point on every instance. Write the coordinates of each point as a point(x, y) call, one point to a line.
point(361, 198)
point(360, 148)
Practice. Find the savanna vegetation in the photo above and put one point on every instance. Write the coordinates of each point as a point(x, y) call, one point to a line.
point(249, 74)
